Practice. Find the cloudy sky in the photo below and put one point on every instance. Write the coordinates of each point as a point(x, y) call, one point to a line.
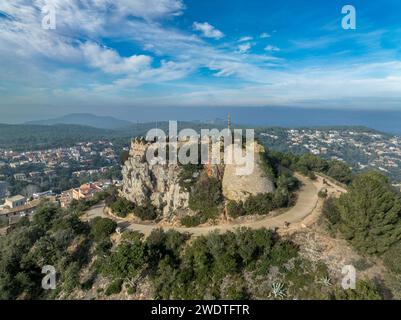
point(110, 54)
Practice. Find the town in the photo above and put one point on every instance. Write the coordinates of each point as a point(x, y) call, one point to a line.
point(59, 175)
point(361, 148)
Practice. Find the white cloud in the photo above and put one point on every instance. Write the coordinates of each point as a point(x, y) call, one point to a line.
point(77, 44)
point(271, 48)
point(244, 39)
point(149, 9)
point(265, 35)
point(244, 48)
point(208, 30)
point(110, 61)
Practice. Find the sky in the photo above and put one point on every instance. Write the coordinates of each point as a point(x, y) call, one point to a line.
point(110, 55)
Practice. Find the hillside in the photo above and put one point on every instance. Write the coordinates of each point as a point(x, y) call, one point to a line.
point(20, 137)
point(85, 119)
point(23, 137)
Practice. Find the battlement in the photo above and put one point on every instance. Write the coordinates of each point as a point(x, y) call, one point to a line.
point(138, 147)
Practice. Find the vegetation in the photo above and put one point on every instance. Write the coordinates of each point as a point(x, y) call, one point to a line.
point(146, 212)
point(368, 215)
point(262, 204)
point(309, 163)
point(188, 174)
point(206, 196)
point(102, 228)
point(236, 265)
point(392, 258)
point(214, 267)
point(55, 238)
point(365, 290)
point(122, 207)
point(322, 193)
point(193, 221)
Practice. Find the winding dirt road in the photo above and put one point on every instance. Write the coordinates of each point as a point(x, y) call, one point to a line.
point(306, 203)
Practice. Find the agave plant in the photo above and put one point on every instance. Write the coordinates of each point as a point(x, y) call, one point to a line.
point(278, 290)
point(326, 281)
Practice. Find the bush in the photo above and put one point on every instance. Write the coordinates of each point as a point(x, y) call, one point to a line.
point(187, 173)
point(193, 221)
point(235, 209)
point(114, 287)
point(102, 228)
point(206, 196)
point(392, 258)
point(365, 290)
point(146, 212)
point(330, 211)
point(322, 194)
point(259, 204)
point(122, 207)
point(339, 171)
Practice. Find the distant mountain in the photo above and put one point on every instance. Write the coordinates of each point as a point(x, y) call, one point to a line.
point(85, 119)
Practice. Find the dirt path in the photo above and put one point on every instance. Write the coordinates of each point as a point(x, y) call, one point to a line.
point(306, 204)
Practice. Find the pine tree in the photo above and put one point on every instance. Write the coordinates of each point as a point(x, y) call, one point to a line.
point(369, 214)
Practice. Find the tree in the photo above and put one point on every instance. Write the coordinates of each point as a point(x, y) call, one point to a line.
point(365, 290)
point(235, 209)
point(309, 162)
point(146, 212)
point(330, 211)
point(340, 171)
point(392, 258)
point(206, 196)
point(102, 228)
point(128, 260)
point(369, 214)
point(122, 207)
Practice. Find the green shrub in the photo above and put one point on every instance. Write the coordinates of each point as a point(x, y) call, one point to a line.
point(330, 211)
point(235, 209)
point(259, 204)
point(392, 258)
point(365, 290)
point(114, 287)
point(206, 196)
point(322, 194)
point(282, 252)
point(102, 228)
point(146, 212)
point(122, 207)
point(339, 171)
point(193, 221)
point(186, 175)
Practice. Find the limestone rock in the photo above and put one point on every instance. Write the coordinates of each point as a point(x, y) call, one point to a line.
point(240, 187)
point(158, 182)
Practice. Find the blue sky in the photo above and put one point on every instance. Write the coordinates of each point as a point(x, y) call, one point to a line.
point(111, 54)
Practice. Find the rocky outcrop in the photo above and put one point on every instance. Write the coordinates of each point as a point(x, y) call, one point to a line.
point(158, 183)
point(240, 187)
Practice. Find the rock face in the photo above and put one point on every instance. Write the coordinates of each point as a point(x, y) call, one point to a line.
point(159, 183)
point(239, 188)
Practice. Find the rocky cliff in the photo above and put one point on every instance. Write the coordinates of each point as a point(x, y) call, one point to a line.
point(240, 187)
point(158, 183)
